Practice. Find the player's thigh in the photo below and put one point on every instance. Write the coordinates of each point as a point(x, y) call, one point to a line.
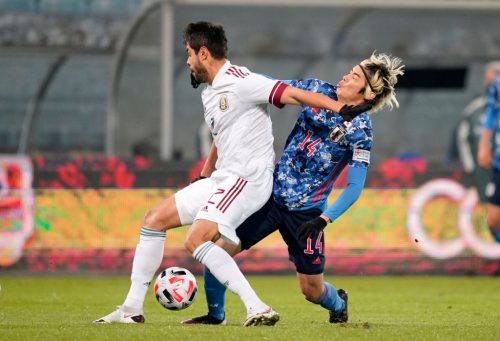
point(233, 200)
point(259, 225)
point(307, 254)
point(190, 199)
point(163, 216)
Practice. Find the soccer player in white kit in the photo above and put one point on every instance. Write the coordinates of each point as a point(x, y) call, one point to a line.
point(237, 177)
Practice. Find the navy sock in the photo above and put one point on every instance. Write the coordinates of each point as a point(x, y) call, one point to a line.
point(216, 293)
point(330, 299)
point(495, 232)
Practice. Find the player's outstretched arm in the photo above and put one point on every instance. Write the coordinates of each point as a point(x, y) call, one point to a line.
point(295, 96)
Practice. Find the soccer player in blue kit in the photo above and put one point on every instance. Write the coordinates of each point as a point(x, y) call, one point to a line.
point(321, 144)
point(488, 158)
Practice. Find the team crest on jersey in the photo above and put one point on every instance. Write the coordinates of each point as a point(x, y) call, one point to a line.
point(223, 103)
point(337, 134)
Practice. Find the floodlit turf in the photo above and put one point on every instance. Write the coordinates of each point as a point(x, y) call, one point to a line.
point(381, 308)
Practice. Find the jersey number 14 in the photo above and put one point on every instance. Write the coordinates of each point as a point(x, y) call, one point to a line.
point(311, 147)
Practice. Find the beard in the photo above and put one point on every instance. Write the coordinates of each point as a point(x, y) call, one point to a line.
point(198, 77)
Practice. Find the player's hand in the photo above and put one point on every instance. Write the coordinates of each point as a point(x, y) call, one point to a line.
point(348, 112)
point(199, 177)
point(311, 227)
point(194, 82)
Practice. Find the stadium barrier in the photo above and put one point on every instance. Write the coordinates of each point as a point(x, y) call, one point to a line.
point(96, 230)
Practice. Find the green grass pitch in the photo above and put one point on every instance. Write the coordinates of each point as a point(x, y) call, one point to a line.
point(381, 308)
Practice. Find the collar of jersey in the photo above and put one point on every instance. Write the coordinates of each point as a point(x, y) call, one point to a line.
point(221, 71)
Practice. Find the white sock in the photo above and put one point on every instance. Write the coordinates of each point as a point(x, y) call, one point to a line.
point(147, 259)
point(225, 269)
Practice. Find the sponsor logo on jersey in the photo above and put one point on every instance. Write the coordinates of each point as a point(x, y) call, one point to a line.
point(223, 103)
point(361, 155)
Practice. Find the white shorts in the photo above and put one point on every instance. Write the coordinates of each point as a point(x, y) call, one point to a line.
point(225, 199)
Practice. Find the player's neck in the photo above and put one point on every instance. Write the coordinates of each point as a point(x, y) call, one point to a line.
point(351, 101)
point(213, 68)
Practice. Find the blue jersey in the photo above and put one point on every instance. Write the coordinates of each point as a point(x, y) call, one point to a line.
point(492, 119)
point(319, 147)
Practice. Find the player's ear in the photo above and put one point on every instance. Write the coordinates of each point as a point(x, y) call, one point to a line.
point(372, 96)
point(203, 53)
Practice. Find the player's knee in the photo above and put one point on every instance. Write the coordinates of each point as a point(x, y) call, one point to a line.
point(151, 217)
point(190, 244)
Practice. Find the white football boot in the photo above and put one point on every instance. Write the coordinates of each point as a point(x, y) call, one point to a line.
point(268, 317)
point(120, 316)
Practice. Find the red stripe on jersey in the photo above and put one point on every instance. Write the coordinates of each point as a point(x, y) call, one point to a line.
point(236, 72)
point(275, 95)
point(232, 72)
point(235, 194)
point(240, 72)
point(319, 194)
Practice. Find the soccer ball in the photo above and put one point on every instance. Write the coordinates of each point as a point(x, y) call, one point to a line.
point(175, 288)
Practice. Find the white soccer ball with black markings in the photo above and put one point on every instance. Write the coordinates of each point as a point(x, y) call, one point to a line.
point(175, 288)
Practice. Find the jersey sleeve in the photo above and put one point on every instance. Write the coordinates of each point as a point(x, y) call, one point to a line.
point(355, 183)
point(361, 142)
point(303, 84)
point(259, 89)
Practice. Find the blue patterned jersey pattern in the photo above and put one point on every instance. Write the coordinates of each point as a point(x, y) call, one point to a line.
point(319, 147)
point(492, 119)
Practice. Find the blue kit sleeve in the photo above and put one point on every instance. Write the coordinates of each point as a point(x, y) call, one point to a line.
point(355, 182)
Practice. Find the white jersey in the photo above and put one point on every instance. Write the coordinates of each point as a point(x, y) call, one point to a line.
point(237, 113)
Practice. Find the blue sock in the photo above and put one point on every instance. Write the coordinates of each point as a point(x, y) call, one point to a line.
point(330, 299)
point(215, 293)
point(495, 232)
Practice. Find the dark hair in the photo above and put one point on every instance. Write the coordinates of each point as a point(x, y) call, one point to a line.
point(206, 34)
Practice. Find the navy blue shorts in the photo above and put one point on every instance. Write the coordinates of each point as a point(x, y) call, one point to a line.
point(493, 188)
point(307, 255)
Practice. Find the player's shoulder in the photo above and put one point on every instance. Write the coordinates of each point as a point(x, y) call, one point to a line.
point(240, 78)
point(360, 128)
point(237, 72)
point(231, 79)
point(362, 120)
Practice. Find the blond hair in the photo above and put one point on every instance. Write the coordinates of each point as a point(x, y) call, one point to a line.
point(494, 66)
point(383, 71)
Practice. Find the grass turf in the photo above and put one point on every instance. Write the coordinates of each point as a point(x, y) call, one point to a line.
point(381, 308)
